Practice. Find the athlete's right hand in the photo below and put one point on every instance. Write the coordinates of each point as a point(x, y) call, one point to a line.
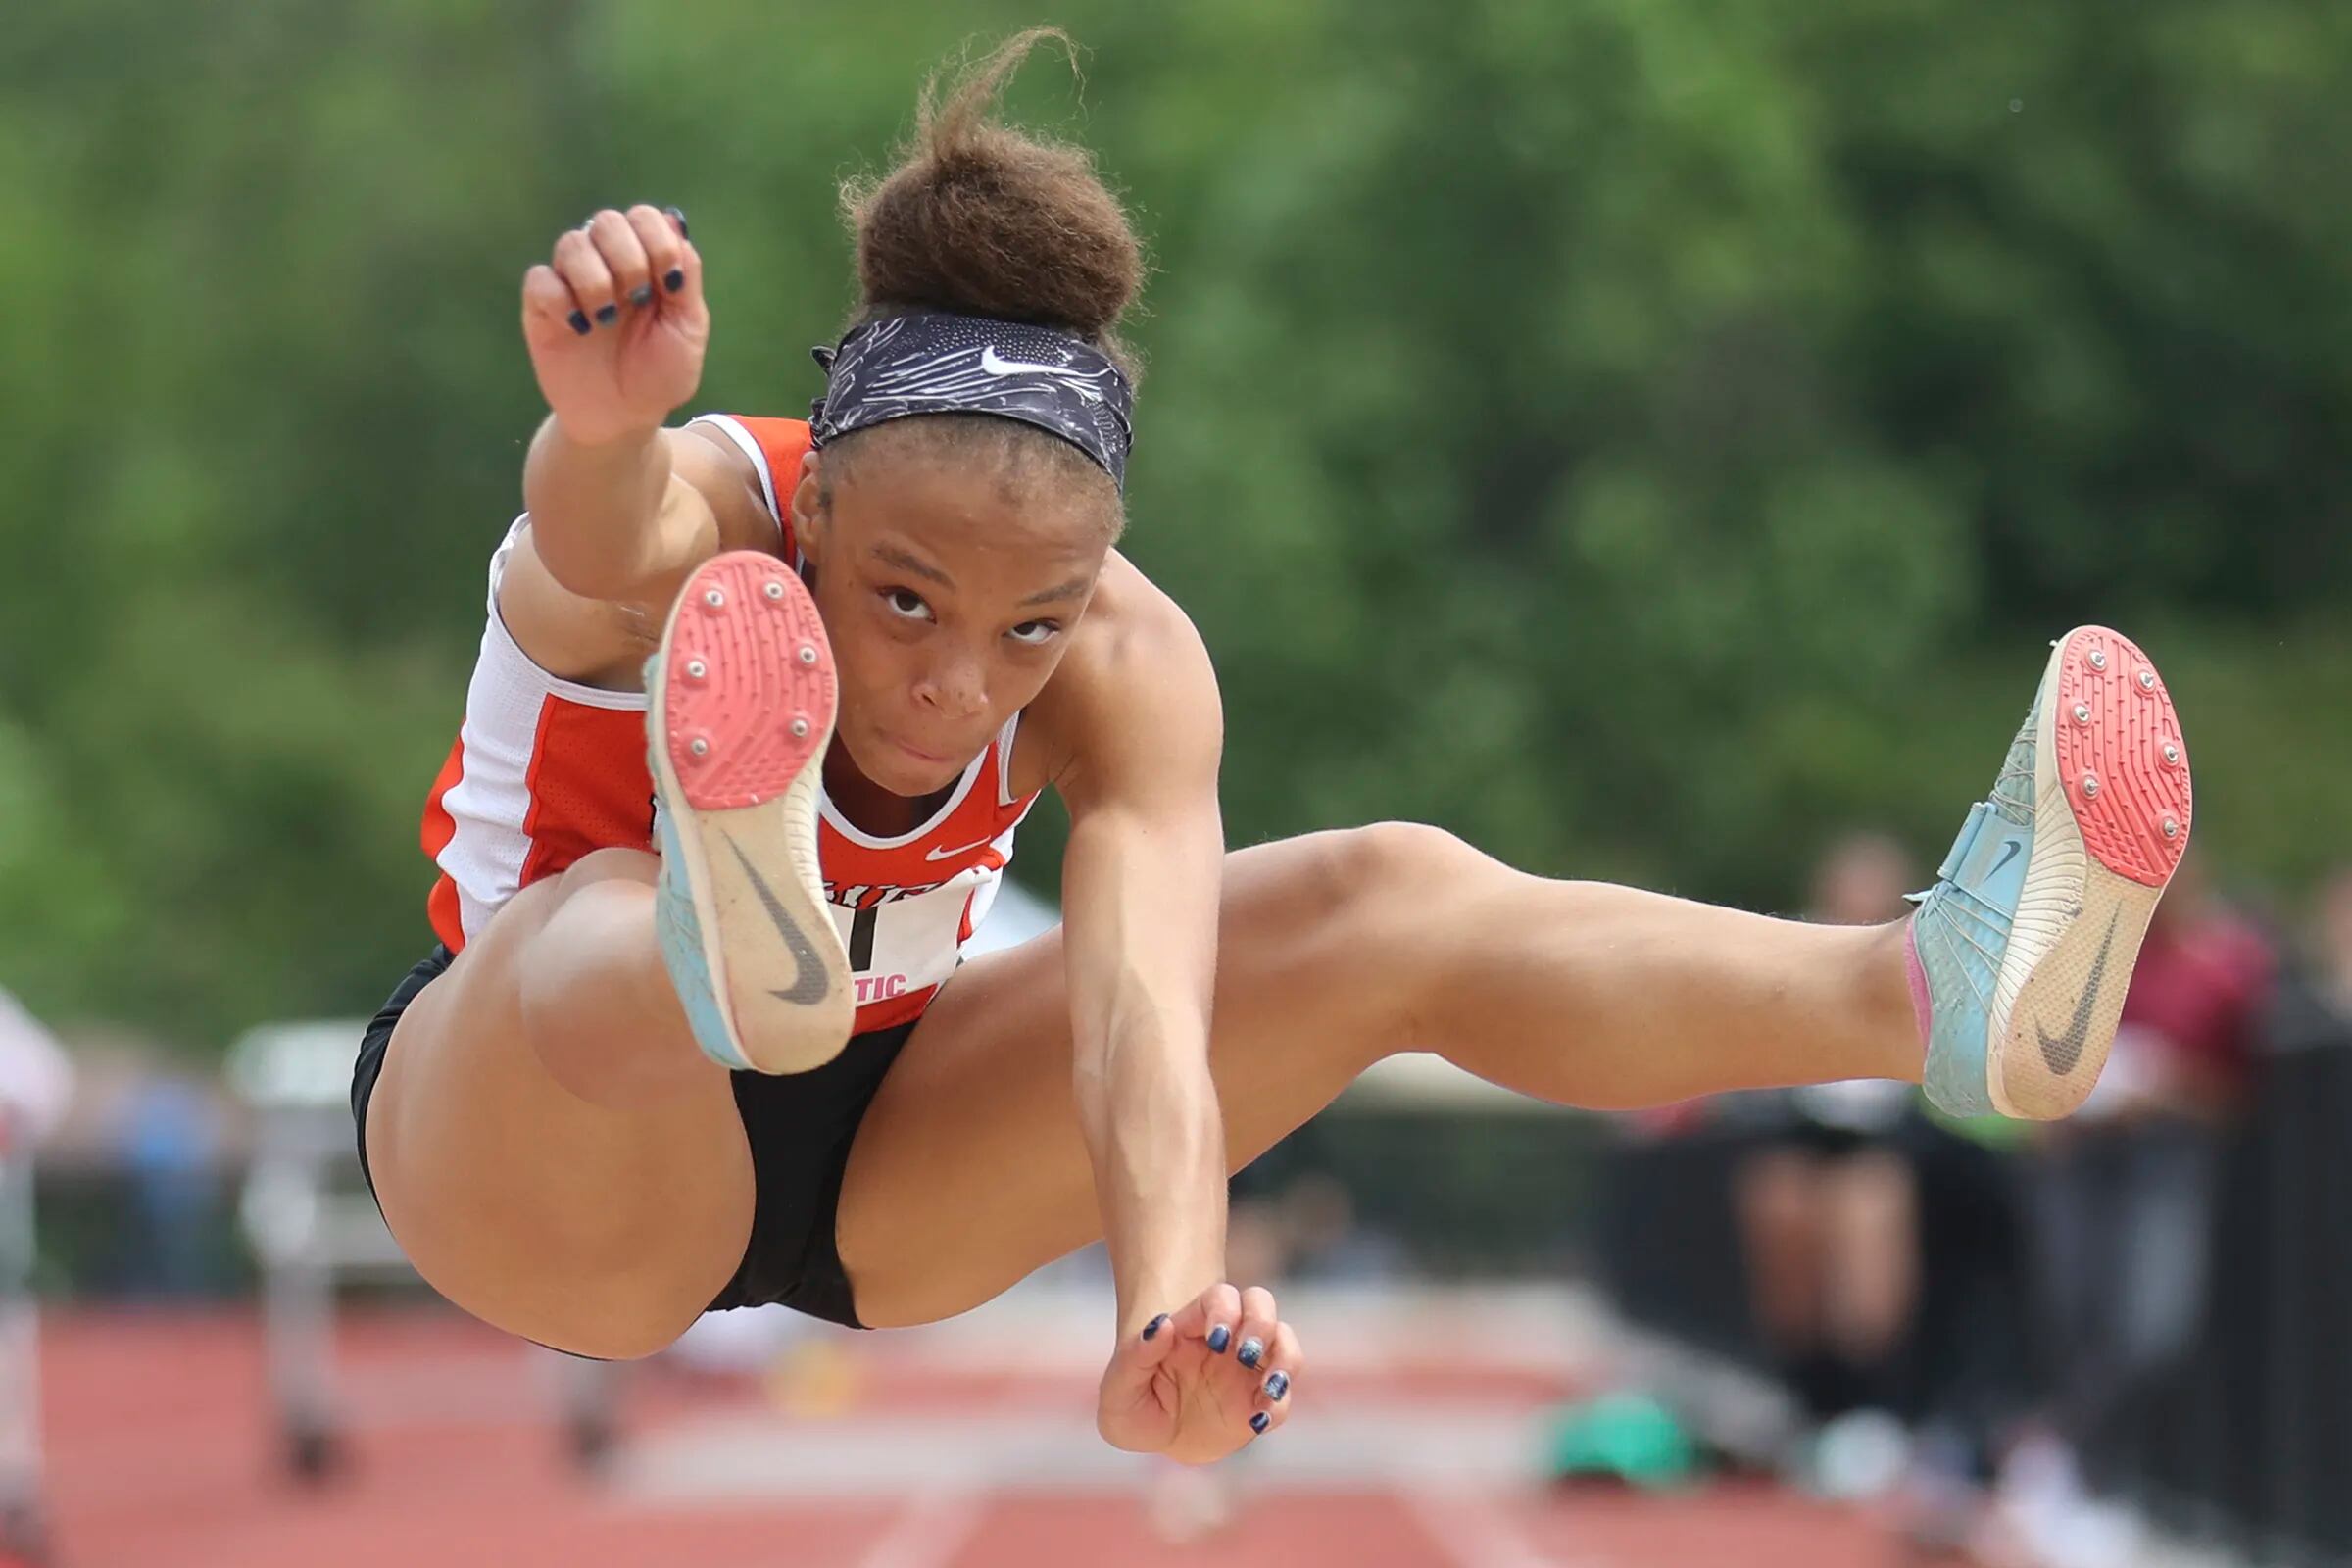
point(616, 323)
point(1199, 1382)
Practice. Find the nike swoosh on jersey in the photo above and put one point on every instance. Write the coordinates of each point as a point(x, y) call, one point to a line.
point(2063, 1052)
point(937, 853)
point(808, 983)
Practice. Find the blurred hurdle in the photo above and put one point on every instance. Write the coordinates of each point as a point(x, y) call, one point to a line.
point(36, 1080)
point(24, 1531)
point(306, 1212)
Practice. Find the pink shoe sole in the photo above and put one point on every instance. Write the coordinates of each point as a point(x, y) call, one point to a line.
point(747, 698)
point(2121, 757)
point(2111, 820)
point(742, 704)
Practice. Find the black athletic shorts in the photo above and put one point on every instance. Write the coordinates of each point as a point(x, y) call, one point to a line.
point(799, 1127)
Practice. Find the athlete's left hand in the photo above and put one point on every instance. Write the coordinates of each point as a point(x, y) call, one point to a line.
point(1197, 1384)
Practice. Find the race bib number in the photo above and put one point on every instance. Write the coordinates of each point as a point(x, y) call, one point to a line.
point(900, 941)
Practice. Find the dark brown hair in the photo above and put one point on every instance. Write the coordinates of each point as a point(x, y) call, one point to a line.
point(984, 220)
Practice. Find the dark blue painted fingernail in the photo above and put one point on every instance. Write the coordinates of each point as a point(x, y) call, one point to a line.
point(674, 279)
point(1153, 1327)
point(579, 322)
point(642, 294)
point(1277, 1386)
point(1253, 1351)
point(678, 218)
point(606, 315)
point(1219, 1338)
point(1260, 1421)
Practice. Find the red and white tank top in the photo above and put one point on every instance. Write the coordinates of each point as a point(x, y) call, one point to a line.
point(543, 770)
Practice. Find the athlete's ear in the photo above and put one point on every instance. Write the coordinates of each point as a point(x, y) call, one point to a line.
point(808, 506)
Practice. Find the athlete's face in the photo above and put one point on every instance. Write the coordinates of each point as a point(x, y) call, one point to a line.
point(949, 598)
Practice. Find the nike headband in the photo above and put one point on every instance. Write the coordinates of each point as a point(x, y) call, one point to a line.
point(938, 364)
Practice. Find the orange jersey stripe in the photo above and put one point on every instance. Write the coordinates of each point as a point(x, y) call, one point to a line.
point(545, 772)
point(589, 786)
point(441, 905)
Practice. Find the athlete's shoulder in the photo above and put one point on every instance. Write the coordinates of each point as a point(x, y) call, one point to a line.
point(770, 447)
point(1129, 607)
point(1135, 690)
point(744, 465)
point(1133, 632)
point(772, 432)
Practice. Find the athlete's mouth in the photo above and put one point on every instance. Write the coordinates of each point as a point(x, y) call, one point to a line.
point(919, 754)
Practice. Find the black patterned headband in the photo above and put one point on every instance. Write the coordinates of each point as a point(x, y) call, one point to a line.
point(940, 364)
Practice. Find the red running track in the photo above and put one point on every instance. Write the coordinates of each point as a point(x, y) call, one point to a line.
point(163, 1452)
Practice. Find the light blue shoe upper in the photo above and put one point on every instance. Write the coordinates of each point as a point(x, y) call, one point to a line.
point(680, 932)
point(1961, 930)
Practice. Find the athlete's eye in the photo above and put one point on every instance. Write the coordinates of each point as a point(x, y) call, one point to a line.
point(1034, 633)
point(906, 604)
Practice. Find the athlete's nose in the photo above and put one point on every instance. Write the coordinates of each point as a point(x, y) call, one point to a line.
point(953, 686)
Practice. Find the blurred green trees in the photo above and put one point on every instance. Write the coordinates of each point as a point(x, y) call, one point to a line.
point(1644, 437)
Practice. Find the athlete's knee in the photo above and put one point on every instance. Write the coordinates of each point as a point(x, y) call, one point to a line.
point(595, 1002)
point(1409, 859)
point(608, 865)
point(533, 908)
point(1362, 899)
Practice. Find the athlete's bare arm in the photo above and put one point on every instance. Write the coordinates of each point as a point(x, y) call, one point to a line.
point(1137, 728)
point(715, 504)
point(1137, 702)
point(621, 510)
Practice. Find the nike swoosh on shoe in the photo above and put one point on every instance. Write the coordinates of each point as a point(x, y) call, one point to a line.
point(2062, 1051)
point(808, 983)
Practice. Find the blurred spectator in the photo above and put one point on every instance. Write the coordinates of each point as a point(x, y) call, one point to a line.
point(1323, 1242)
point(2310, 1006)
point(1828, 1206)
point(2122, 1201)
point(168, 1140)
point(2324, 985)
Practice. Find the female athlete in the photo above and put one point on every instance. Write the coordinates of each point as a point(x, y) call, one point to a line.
point(759, 706)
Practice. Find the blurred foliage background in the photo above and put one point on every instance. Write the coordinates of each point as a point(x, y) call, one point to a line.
point(1644, 438)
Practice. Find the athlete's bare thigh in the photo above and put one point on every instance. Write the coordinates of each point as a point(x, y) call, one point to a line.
point(971, 1169)
point(604, 1231)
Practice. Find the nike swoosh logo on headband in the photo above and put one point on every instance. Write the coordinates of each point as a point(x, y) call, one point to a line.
point(993, 366)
